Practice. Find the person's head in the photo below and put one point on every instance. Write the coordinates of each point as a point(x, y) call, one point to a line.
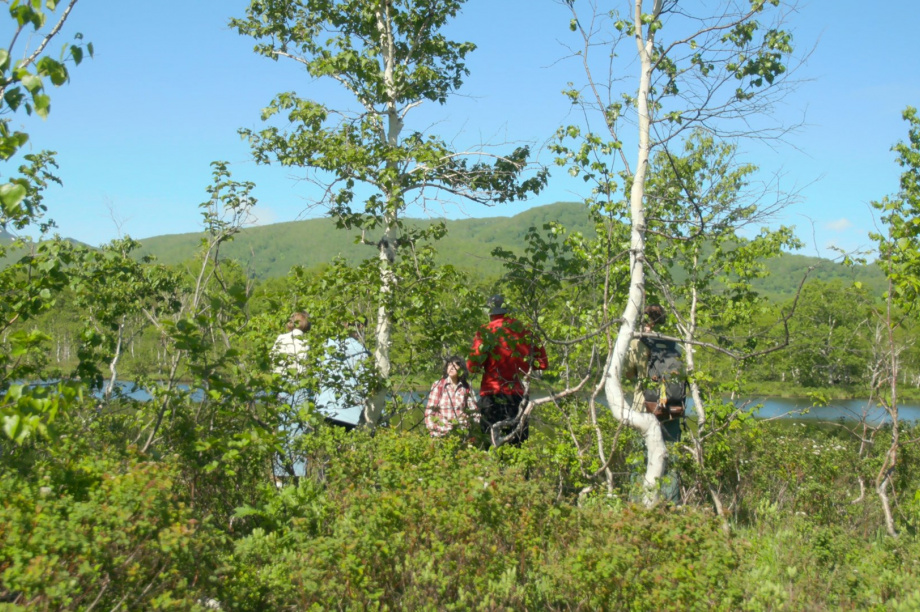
point(355, 328)
point(654, 315)
point(456, 364)
point(496, 305)
point(299, 320)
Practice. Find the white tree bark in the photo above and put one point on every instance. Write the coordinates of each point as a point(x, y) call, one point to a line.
point(885, 473)
point(113, 365)
point(644, 422)
point(694, 80)
point(386, 247)
point(698, 406)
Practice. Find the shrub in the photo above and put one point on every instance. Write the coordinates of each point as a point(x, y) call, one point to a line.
point(121, 538)
point(638, 559)
point(413, 523)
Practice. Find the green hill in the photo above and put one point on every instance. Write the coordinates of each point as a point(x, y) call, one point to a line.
point(270, 250)
point(787, 271)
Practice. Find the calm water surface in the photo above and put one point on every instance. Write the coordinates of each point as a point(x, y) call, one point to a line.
point(764, 408)
point(836, 410)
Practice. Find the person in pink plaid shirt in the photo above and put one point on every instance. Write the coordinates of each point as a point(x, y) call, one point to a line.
point(451, 403)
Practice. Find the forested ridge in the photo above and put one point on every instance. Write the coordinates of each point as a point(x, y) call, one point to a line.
point(270, 251)
point(191, 499)
point(828, 342)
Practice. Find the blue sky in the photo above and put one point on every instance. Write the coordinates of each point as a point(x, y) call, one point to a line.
point(138, 125)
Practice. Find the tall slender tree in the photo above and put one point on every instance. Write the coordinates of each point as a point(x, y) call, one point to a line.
point(390, 56)
point(700, 200)
point(714, 70)
point(899, 257)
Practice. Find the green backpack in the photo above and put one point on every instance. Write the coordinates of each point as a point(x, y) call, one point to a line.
point(666, 395)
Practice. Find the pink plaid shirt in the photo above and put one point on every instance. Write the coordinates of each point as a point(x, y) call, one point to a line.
point(449, 405)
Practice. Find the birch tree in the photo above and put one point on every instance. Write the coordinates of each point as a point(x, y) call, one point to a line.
point(389, 56)
point(721, 69)
point(899, 258)
point(112, 288)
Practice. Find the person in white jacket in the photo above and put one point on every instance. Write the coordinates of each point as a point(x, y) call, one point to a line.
point(290, 349)
point(288, 355)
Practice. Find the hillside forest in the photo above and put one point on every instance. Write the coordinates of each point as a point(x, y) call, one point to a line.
point(188, 498)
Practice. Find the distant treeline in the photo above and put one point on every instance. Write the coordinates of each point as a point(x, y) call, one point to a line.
point(270, 251)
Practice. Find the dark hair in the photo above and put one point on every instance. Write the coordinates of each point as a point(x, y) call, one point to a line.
point(461, 364)
point(497, 305)
point(655, 314)
point(299, 320)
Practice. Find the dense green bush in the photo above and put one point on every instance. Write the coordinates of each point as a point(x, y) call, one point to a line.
point(397, 520)
point(404, 521)
point(794, 564)
point(636, 559)
point(92, 531)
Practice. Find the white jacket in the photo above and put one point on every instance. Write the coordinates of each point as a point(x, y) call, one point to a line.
point(289, 352)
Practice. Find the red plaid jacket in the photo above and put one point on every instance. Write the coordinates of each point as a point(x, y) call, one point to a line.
point(449, 406)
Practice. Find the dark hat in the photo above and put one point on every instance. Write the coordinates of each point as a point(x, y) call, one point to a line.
point(497, 305)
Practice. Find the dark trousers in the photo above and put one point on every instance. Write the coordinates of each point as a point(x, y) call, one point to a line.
point(670, 430)
point(670, 482)
point(502, 407)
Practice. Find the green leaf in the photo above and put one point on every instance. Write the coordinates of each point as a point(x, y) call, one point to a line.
point(53, 69)
point(38, 18)
point(13, 98)
point(42, 105)
point(11, 425)
point(21, 14)
point(32, 82)
point(4, 60)
point(11, 195)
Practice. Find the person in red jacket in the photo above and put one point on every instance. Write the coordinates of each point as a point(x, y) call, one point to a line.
point(506, 352)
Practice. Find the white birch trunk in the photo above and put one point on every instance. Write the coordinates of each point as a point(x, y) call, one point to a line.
point(373, 406)
point(113, 365)
point(883, 480)
point(699, 408)
point(643, 422)
point(386, 247)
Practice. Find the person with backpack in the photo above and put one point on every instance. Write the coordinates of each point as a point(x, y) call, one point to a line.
point(657, 366)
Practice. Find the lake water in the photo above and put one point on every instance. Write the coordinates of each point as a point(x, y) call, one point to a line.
point(800, 408)
point(770, 408)
point(836, 410)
